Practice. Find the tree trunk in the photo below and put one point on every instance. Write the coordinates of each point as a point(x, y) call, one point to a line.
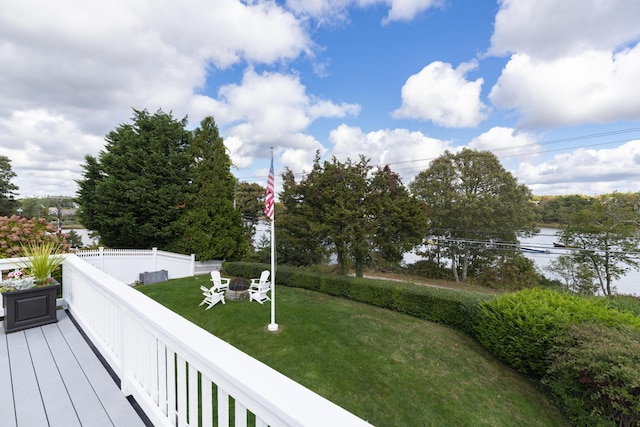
point(340, 259)
point(454, 268)
point(465, 265)
point(359, 266)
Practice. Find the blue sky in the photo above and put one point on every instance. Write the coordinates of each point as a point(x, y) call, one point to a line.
point(550, 87)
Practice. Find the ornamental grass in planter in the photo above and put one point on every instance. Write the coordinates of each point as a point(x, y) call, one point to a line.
point(29, 294)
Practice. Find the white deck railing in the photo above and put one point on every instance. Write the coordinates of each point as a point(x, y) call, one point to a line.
point(179, 373)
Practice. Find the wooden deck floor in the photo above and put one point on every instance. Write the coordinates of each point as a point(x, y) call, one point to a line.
point(49, 376)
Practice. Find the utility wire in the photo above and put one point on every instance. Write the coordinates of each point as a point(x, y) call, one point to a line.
point(537, 144)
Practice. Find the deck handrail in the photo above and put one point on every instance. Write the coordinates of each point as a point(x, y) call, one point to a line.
point(171, 366)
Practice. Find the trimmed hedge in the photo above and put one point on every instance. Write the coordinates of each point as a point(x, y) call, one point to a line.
point(454, 308)
point(595, 374)
point(520, 328)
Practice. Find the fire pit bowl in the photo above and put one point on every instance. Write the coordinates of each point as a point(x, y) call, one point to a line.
point(238, 289)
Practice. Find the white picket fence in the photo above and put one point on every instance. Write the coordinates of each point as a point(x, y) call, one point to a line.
point(180, 374)
point(127, 264)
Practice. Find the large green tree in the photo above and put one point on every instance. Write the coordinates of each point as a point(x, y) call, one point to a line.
point(249, 199)
point(474, 203)
point(351, 211)
point(8, 202)
point(401, 221)
point(134, 192)
point(604, 237)
point(212, 226)
point(296, 242)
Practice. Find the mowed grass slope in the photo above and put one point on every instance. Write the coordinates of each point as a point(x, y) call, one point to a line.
point(389, 369)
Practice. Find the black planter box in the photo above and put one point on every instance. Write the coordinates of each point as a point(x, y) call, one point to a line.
point(29, 308)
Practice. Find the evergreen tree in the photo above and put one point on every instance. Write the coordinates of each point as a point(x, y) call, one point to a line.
point(249, 199)
point(296, 242)
point(345, 209)
point(133, 194)
point(212, 226)
point(8, 203)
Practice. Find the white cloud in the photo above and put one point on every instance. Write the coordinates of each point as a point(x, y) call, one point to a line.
point(272, 109)
point(407, 10)
point(506, 142)
point(585, 171)
point(549, 28)
point(405, 151)
point(330, 11)
point(594, 86)
point(442, 94)
point(46, 149)
point(78, 68)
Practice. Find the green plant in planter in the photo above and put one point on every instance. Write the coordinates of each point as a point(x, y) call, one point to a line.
point(42, 260)
point(39, 262)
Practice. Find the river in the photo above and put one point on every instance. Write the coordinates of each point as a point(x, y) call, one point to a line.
point(628, 284)
point(543, 242)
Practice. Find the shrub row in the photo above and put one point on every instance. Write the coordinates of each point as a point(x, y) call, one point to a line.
point(450, 307)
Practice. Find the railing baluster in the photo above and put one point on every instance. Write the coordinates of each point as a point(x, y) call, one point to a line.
point(207, 402)
point(181, 367)
point(193, 396)
point(223, 408)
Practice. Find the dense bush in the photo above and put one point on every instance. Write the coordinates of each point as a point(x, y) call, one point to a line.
point(595, 374)
point(17, 231)
point(428, 268)
point(520, 327)
point(511, 272)
point(451, 307)
point(625, 303)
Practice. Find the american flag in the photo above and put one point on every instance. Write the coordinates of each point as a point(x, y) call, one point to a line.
point(269, 201)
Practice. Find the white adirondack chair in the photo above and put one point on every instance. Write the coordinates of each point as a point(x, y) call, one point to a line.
point(221, 283)
point(215, 293)
point(259, 287)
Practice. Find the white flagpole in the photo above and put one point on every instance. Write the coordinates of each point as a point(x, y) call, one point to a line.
point(273, 326)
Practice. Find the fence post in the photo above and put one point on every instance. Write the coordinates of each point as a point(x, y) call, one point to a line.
point(193, 264)
point(154, 259)
point(101, 257)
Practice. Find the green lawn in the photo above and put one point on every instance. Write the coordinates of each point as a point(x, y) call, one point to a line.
point(389, 369)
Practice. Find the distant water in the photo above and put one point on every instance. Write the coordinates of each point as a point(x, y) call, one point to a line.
point(628, 284)
point(84, 235)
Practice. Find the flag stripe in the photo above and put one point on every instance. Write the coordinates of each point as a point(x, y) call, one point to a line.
point(269, 200)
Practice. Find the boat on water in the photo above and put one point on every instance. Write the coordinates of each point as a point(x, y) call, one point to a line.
point(534, 250)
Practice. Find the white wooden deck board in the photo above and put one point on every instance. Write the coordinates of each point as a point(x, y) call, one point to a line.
point(56, 400)
point(50, 377)
point(116, 405)
point(26, 392)
point(6, 403)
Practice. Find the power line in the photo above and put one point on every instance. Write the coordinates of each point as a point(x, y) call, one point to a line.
point(514, 147)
